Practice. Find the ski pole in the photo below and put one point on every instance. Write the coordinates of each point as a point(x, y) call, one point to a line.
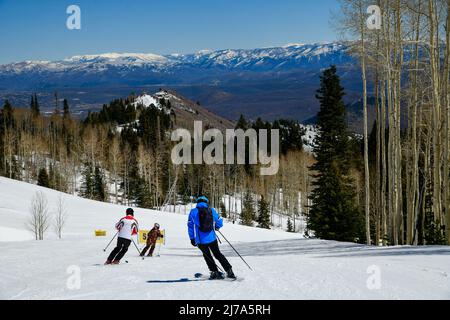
point(217, 236)
point(135, 245)
point(104, 250)
point(159, 250)
point(234, 249)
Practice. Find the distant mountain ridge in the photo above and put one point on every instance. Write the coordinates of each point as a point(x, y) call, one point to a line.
point(279, 58)
point(268, 82)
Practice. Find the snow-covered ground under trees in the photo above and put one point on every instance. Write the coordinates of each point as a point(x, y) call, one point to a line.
point(286, 266)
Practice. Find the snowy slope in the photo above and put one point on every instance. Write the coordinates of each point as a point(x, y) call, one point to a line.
point(147, 100)
point(286, 266)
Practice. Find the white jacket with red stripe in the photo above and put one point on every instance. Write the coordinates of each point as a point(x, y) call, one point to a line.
point(128, 227)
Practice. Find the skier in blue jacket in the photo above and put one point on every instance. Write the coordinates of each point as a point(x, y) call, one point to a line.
point(202, 225)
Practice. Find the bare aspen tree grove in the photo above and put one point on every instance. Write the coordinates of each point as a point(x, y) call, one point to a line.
point(408, 64)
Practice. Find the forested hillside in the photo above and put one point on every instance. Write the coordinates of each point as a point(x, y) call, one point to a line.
point(122, 154)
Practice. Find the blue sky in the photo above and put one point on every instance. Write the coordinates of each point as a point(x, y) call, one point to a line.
point(36, 30)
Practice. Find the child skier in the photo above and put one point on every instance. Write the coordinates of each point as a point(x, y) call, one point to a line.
point(152, 237)
point(127, 227)
point(202, 225)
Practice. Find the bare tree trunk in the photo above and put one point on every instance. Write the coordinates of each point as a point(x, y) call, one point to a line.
point(384, 228)
point(366, 130)
point(435, 79)
point(446, 134)
point(414, 191)
point(61, 216)
point(377, 175)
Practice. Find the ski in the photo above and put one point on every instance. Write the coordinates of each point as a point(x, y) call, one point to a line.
point(201, 276)
point(110, 265)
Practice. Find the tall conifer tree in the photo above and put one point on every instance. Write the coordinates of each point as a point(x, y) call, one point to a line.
point(333, 215)
point(263, 214)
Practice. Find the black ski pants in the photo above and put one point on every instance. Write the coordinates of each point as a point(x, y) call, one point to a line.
point(214, 248)
point(150, 246)
point(120, 250)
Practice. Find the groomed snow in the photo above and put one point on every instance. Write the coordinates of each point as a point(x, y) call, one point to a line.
point(285, 265)
point(12, 234)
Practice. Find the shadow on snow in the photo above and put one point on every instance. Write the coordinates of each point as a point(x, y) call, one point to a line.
point(329, 249)
point(183, 280)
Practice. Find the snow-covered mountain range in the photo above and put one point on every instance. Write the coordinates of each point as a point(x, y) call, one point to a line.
point(277, 58)
point(270, 82)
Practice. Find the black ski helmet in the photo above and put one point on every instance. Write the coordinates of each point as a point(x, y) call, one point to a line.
point(130, 212)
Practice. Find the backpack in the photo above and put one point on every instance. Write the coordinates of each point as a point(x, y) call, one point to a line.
point(206, 219)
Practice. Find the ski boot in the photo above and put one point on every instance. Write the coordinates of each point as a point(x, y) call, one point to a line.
point(230, 274)
point(115, 262)
point(108, 262)
point(216, 275)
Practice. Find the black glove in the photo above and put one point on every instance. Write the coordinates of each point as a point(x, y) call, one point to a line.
point(193, 243)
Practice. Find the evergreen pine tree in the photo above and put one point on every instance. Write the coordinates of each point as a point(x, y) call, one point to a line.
point(35, 110)
point(433, 234)
point(66, 132)
point(333, 215)
point(43, 179)
point(32, 104)
point(99, 185)
point(87, 185)
point(263, 214)
point(242, 123)
point(248, 211)
point(7, 122)
point(66, 109)
point(144, 198)
point(291, 135)
point(56, 111)
point(290, 226)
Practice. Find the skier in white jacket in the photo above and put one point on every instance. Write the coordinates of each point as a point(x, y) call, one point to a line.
point(127, 228)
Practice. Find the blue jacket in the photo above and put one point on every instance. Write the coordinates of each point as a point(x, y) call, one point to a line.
point(194, 226)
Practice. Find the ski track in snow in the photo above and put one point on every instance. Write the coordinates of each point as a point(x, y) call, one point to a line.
point(286, 266)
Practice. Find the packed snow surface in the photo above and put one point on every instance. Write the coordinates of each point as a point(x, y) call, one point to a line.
point(286, 266)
